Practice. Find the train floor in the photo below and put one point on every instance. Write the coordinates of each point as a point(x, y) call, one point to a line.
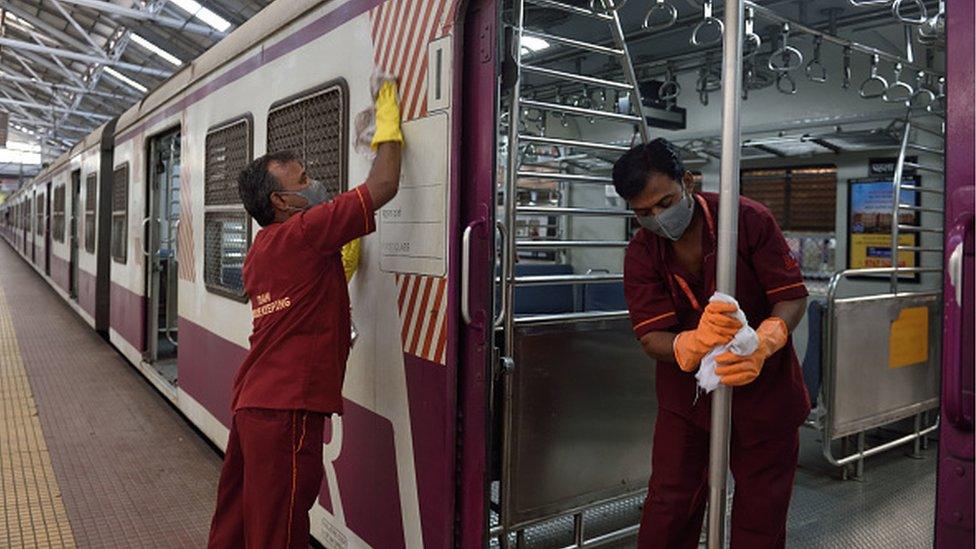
point(92, 456)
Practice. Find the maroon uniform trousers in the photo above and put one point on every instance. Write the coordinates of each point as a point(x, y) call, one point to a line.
point(763, 471)
point(271, 476)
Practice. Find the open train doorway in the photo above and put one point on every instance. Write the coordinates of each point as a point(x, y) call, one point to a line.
point(162, 226)
point(73, 243)
point(47, 230)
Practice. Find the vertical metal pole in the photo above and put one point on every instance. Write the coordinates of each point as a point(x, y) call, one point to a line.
point(508, 265)
point(728, 237)
point(896, 182)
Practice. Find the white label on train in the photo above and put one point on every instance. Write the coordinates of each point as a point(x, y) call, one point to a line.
point(413, 226)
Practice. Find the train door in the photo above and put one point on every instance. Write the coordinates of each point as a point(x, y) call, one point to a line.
point(73, 228)
point(47, 230)
point(954, 505)
point(561, 397)
point(162, 224)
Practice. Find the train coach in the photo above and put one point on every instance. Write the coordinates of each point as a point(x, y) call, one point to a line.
point(495, 395)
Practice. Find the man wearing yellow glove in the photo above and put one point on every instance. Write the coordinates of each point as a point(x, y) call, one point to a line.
point(669, 275)
point(292, 376)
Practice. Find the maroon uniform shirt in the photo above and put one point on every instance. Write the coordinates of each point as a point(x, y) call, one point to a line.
point(662, 296)
point(300, 308)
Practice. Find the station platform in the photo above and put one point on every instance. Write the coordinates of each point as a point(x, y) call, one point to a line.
point(90, 454)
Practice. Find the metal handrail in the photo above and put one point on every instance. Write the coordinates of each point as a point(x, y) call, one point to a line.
point(578, 177)
point(559, 244)
point(568, 8)
point(573, 143)
point(593, 81)
point(569, 318)
point(570, 109)
point(564, 210)
point(551, 280)
point(573, 43)
point(828, 341)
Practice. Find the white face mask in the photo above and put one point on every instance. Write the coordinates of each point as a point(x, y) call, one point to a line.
point(315, 193)
point(672, 222)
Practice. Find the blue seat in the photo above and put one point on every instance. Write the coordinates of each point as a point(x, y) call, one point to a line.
point(544, 299)
point(607, 296)
point(813, 359)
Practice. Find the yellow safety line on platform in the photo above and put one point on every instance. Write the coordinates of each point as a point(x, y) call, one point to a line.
point(33, 514)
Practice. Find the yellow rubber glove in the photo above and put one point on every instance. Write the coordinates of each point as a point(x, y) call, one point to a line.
point(715, 328)
point(735, 370)
point(350, 257)
point(387, 116)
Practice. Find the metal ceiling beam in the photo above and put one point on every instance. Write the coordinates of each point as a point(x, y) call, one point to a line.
point(41, 24)
point(140, 15)
point(66, 127)
point(95, 48)
point(83, 57)
point(13, 76)
point(50, 108)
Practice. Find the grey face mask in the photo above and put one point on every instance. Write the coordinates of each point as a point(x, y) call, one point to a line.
point(314, 194)
point(672, 222)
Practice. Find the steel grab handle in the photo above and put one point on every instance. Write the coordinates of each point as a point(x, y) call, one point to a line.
point(502, 311)
point(145, 243)
point(922, 13)
point(670, 15)
point(786, 54)
point(872, 95)
point(953, 397)
point(891, 94)
point(669, 91)
point(706, 22)
point(465, 273)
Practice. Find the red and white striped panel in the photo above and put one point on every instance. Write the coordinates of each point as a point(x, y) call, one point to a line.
point(401, 30)
point(422, 301)
point(184, 246)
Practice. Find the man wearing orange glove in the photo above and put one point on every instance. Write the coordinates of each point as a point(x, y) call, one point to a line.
point(669, 275)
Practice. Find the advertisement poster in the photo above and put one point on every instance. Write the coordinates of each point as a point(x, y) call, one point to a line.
point(870, 204)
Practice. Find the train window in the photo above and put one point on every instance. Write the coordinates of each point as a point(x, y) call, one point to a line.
point(314, 125)
point(58, 214)
point(801, 199)
point(91, 183)
point(227, 227)
point(120, 211)
point(39, 214)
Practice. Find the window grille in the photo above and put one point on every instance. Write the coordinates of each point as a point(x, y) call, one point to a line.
point(58, 214)
point(39, 214)
point(314, 126)
point(120, 213)
point(91, 193)
point(227, 227)
point(801, 198)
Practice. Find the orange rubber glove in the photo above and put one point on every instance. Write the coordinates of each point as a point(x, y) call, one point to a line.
point(735, 370)
point(715, 328)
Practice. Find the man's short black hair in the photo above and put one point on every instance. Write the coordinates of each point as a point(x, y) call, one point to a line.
point(631, 170)
point(255, 185)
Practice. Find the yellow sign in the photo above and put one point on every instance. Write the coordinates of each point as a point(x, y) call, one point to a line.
point(908, 343)
point(874, 250)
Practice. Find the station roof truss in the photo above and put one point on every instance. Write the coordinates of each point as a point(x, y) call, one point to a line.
point(69, 66)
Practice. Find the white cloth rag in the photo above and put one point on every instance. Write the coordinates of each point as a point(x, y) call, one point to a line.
point(744, 343)
point(365, 122)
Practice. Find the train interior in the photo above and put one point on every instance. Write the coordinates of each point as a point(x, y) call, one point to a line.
point(842, 127)
point(162, 226)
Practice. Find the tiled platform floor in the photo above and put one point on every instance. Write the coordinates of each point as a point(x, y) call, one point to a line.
point(131, 472)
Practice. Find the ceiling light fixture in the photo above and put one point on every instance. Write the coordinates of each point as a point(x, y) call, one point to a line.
point(157, 50)
point(196, 10)
point(130, 82)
